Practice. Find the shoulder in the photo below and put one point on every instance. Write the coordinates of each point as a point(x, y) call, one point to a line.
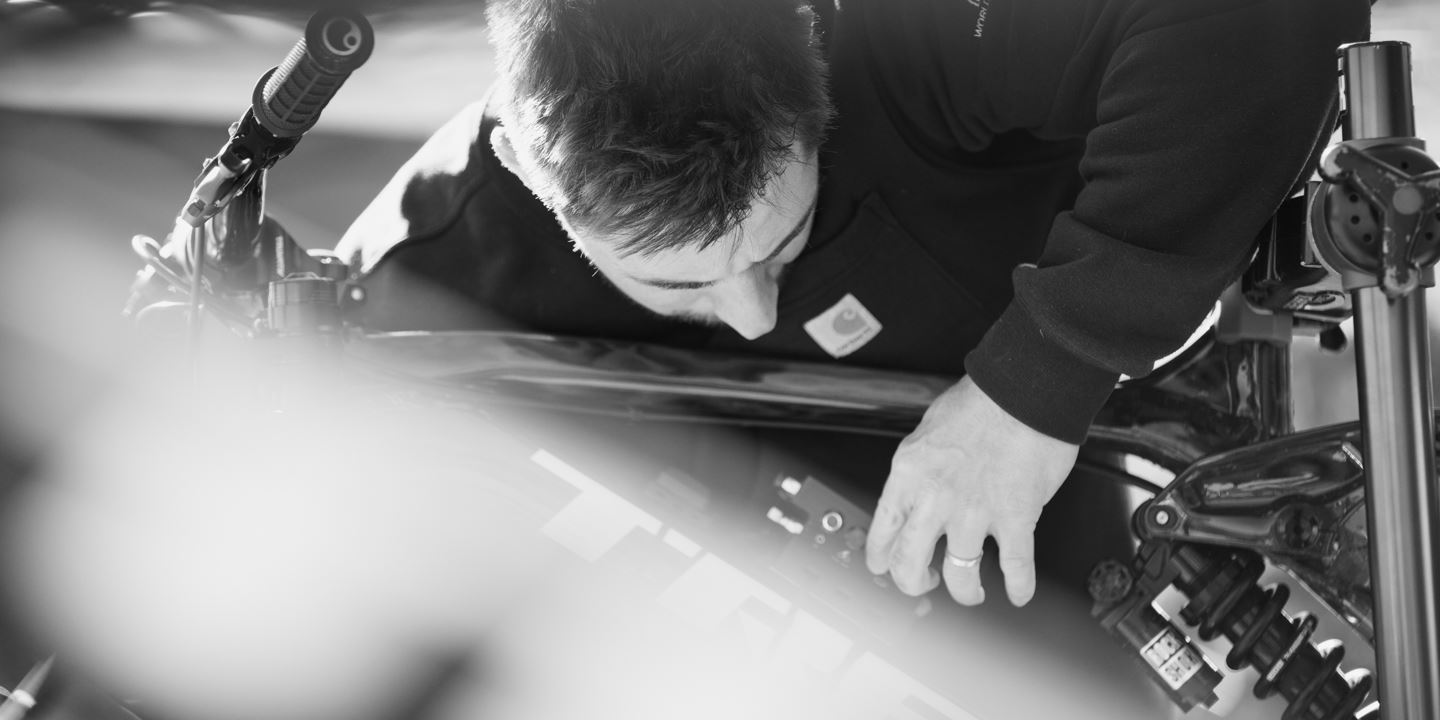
point(427, 191)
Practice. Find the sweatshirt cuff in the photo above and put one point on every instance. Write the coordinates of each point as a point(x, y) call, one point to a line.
point(1036, 380)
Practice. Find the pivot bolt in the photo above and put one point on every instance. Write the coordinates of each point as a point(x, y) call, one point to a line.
point(1162, 517)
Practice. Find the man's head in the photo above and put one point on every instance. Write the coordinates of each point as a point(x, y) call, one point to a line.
point(675, 139)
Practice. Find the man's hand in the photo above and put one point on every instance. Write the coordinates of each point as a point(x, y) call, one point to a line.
point(969, 470)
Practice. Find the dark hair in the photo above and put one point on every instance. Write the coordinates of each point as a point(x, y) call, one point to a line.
point(660, 121)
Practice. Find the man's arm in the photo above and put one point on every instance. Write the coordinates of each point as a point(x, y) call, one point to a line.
point(1207, 115)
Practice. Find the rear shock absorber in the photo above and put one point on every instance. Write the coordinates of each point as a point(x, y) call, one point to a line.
point(1226, 599)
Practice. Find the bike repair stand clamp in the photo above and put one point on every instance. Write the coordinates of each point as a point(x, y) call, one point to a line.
point(1377, 223)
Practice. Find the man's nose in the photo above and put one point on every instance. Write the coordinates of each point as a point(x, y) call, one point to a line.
point(747, 302)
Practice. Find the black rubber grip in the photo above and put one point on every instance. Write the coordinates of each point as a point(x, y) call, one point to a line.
point(289, 98)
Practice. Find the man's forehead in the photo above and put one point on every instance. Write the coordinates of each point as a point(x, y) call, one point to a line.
point(692, 260)
point(765, 243)
point(644, 249)
point(775, 217)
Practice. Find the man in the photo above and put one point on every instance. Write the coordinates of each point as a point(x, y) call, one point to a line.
point(1040, 195)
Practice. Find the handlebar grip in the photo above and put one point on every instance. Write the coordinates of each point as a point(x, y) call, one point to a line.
point(289, 98)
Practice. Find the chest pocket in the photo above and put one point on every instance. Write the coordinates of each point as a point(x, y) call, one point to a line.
point(928, 322)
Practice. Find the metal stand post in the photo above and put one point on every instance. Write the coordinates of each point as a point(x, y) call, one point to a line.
point(1393, 355)
point(1383, 187)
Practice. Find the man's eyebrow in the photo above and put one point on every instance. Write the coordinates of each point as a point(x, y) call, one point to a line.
point(779, 248)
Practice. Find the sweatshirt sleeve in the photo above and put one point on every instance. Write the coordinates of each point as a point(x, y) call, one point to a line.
point(1206, 115)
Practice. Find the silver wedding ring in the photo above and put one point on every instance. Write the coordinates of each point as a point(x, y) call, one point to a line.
point(964, 562)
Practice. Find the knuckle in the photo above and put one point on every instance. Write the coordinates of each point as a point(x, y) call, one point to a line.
point(912, 552)
point(1019, 511)
point(908, 585)
point(887, 515)
point(875, 559)
point(898, 556)
point(1016, 522)
point(909, 544)
point(1012, 563)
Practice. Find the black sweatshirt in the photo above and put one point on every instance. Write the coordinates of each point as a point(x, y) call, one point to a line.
point(1042, 193)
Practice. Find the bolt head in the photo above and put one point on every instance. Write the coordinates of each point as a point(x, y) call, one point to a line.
point(1110, 581)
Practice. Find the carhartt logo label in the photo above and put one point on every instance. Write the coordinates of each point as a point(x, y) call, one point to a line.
point(844, 328)
point(984, 7)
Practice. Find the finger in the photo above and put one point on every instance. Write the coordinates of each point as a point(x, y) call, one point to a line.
point(965, 538)
point(1017, 560)
point(915, 546)
point(889, 517)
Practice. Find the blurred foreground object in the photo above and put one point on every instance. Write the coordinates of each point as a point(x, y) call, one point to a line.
point(296, 544)
point(206, 550)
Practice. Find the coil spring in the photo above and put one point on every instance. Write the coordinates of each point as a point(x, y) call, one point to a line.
point(1227, 599)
